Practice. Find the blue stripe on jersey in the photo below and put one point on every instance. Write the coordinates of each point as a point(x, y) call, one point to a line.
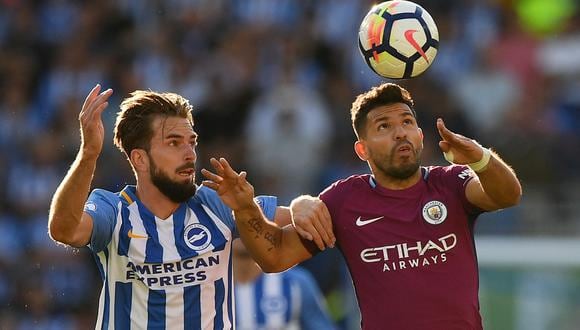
point(286, 292)
point(191, 307)
point(178, 225)
point(219, 304)
point(123, 295)
point(258, 294)
point(124, 239)
point(153, 249)
point(156, 309)
point(230, 289)
point(217, 237)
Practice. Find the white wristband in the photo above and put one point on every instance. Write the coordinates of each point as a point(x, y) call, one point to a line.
point(478, 166)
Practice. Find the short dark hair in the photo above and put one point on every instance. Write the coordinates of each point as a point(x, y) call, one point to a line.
point(385, 94)
point(133, 128)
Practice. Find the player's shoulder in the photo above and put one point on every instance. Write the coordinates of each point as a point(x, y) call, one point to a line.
point(352, 182)
point(448, 173)
point(104, 194)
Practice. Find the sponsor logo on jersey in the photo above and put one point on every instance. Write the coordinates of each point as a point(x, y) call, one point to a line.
point(197, 236)
point(410, 255)
point(179, 273)
point(434, 212)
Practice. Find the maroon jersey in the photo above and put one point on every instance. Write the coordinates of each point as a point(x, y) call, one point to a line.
point(410, 252)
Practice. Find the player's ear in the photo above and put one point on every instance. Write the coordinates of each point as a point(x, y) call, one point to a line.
point(361, 150)
point(139, 159)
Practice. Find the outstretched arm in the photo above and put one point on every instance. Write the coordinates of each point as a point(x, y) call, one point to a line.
point(496, 185)
point(67, 223)
point(275, 249)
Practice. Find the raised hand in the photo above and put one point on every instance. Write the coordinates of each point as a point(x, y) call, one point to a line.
point(458, 148)
point(232, 187)
point(92, 129)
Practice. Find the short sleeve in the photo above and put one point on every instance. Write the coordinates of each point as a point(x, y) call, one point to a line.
point(211, 199)
point(460, 176)
point(103, 207)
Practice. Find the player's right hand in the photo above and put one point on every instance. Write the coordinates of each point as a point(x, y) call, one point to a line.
point(312, 221)
point(92, 129)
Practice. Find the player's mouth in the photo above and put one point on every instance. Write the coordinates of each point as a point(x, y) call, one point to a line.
point(186, 172)
point(405, 150)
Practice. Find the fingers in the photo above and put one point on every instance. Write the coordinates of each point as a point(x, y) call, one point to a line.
point(211, 176)
point(445, 133)
point(91, 95)
point(327, 222)
point(444, 146)
point(95, 103)
point(312, 221)
point(310, 232)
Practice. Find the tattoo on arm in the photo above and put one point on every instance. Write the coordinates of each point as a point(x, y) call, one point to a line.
point(272, 237)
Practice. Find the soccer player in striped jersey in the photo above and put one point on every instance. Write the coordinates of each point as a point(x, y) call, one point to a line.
point(287, 300)
point(163, 246)
point(406, 231)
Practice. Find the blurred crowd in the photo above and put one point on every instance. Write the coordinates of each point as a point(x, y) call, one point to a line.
point(271, 83)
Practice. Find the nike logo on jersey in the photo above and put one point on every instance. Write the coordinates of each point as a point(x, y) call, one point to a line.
point(360, 222)
point(131, 235)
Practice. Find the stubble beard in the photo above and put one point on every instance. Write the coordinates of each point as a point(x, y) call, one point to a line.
point(385, 164)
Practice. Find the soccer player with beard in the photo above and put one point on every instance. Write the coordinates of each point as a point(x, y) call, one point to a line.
point(406, 231)
point(163, 246)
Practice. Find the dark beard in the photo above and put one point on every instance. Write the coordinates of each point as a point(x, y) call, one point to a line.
point(175, 191)
point(401, 172)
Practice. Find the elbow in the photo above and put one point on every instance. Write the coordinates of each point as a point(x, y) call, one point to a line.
point(59, 235)
point(513, 198)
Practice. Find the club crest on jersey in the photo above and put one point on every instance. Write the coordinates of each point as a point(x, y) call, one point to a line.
point(197, 236)
point(90, 206)
point(434, 212)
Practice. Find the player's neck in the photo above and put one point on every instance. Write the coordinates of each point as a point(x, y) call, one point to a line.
point(393, 183)
point(155, 201)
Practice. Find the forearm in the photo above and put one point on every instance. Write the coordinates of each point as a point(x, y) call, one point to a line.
point(261, 238)
point(68, 201)
point(275, 249)
point(500, 183)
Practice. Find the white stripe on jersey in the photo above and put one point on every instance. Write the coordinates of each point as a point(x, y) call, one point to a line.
point(215, 266)
point(245, 307)
point(273, 291)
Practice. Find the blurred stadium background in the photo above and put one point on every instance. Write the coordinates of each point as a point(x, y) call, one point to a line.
point(272, 83)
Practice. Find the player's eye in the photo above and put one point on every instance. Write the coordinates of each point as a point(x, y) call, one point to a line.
point(173, 143)
point(408, 121)
point(383, 126)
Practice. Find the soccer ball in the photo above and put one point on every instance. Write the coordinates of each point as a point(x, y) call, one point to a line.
point(398, 39)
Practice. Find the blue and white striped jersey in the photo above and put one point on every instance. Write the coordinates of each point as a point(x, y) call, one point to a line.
point(173, 273)
point(290, 300)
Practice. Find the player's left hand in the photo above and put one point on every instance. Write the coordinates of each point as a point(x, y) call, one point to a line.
point(232, 187)
point(463, 150)
point(312, 221)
